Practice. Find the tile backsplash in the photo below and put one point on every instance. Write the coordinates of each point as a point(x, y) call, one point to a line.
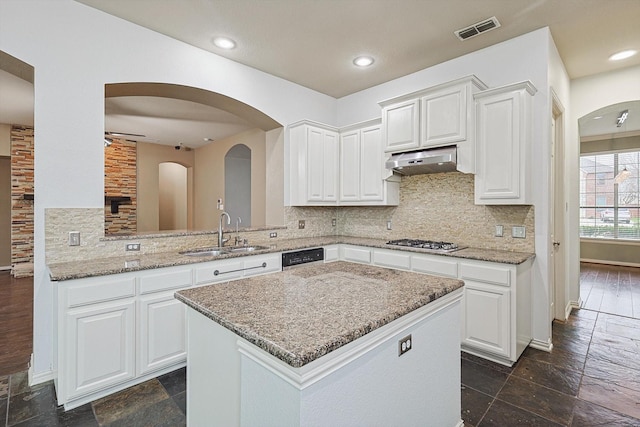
point(441, 207)
point(434, 207)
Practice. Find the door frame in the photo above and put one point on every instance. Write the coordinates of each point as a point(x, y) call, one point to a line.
point(559, 289)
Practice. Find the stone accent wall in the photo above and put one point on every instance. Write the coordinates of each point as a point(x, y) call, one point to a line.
point(120, 181)
point(21, 208)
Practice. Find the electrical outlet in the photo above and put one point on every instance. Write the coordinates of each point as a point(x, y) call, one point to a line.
point(404, 345)
point(273, 234)
point(499, 231)
point(518, 232)
point(333, 222)
point(301, 224)
point(132, 263)
point(132, 247)
point(74, 238)
point(389, 225)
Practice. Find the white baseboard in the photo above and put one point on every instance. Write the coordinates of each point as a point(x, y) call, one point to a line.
point(601, 261)
point(40, 377)
point(542, 345)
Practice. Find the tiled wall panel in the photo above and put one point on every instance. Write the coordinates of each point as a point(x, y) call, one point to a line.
point(120, 181)
point(22, 186)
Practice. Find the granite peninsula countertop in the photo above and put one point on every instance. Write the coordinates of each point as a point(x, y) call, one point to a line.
point(114, 265)
point(301, 314)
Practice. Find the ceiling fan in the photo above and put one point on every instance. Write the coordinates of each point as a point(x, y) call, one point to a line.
point(110, 136)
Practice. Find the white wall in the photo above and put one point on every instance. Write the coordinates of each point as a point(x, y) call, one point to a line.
point(5, 140)
point(522, 58)
point(589, 94)
point(75, 50)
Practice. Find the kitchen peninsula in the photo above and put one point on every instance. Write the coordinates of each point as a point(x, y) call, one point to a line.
point(325, 344)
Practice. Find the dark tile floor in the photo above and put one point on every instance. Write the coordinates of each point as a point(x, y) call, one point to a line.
point(157, 402)
point(610, 289)
point(591, 378)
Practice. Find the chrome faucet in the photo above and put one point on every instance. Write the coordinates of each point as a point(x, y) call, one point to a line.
point(221, 240)
point(238, 240)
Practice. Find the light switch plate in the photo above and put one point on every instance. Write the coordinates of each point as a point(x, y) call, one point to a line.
point(74, 238)
point(518, 232)
point(499, 231)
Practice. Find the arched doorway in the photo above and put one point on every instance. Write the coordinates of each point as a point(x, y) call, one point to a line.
point(172, 196)
point(237, 183)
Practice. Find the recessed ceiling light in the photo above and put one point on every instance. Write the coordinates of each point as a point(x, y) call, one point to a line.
point(207, 139)
point(224, 42)
point(363, 61)
point(622, 55)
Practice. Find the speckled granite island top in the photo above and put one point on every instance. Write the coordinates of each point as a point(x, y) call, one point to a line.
point(304, 313)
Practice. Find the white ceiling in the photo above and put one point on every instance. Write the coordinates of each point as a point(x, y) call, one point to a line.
point(313, 43)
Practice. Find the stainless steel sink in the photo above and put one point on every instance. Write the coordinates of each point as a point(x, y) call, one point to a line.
point(205, 252)
point(247, 248)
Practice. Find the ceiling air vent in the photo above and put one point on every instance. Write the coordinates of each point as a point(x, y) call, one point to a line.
point(477, 28)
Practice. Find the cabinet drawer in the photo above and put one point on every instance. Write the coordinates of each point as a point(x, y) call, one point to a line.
point(219, 271)
point(262, 264)
point(392, 259)
point(78, 295)
point(356, 254)
point(495, 275)
point(159, 282)
point(331, 253)
point(434, 265)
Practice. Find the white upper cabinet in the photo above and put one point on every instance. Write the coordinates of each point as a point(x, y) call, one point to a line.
point(363, 177)
point(350, 166)
point(434, 117)
point(322, 160)
point(313, 161)
point(346, 167)
point(401, 124)
point(503, 163)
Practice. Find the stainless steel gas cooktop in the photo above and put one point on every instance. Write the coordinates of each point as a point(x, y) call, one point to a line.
point(428, 245)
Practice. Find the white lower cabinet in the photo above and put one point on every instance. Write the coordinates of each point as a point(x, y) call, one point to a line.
point(496, 320)
point(355, 254)
point(116, 331)
point(331, 253)
point(161, 329)
point(433, 264)
point(392, 259)
point(262, 264)
point(485, 323)
point(496, 315)
point(100, 347)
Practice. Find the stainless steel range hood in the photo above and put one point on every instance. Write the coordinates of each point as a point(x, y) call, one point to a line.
point(434, 160)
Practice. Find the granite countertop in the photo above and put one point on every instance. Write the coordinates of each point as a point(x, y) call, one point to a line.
point(114, 265)
point(301, 314)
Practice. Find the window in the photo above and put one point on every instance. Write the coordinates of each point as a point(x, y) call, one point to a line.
point(609, 195)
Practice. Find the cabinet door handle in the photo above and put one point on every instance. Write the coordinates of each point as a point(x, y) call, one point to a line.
point(218, 272)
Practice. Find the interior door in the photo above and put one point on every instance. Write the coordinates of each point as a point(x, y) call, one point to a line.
point(559, 287)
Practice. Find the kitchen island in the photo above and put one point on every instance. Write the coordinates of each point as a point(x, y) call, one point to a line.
point(321, 344)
